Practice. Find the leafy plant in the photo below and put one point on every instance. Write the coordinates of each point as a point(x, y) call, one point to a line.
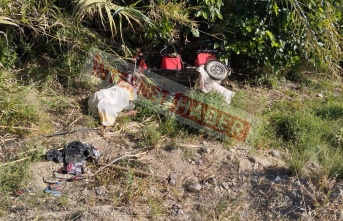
point(283, 34)
point(172, 22)
point(209, 10)
point(7, 21)
point(87, 8)
point(8, 54)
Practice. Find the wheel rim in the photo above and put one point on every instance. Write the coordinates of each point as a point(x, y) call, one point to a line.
point(216, 69)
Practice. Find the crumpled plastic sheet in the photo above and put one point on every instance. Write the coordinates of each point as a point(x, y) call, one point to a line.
point(109, 102)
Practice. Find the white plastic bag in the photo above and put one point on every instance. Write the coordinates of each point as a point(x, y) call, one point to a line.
point(205, 84)
point(109, 102)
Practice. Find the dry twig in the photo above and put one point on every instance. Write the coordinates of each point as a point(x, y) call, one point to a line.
point(141, 172)
point(131, 154)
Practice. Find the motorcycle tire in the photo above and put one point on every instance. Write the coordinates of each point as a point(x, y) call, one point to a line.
point(216, 70)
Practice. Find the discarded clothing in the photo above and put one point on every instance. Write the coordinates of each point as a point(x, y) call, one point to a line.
point(54, 155)
point(109, 102)
point(76, 152)
point(73, 156)
point(73, 168)
point(52, 192)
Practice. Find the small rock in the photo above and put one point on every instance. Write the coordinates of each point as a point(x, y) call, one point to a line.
point(101, 190)
point(172, 179)
point(320, 95)
point(177, 209)
point(255, 167)
point(216, 190)
point(244, 165)
point(204, 143)
point(194, 187)
point(203, 150)
point(197, 161)
point(225, 185)
point(251, 159)
point(120, 193)
point(275, 153)
point(198, 155)
point(212, 180)
point(230, 157)
point(262, 161)
point(277, 179)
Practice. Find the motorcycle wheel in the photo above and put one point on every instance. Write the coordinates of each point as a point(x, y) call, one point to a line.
point(216, 70)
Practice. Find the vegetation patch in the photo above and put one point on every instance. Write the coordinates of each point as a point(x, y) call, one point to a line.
point(289, 48)
point(311, 130)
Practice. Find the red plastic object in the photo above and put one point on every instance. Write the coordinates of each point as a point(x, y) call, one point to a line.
point(171, 63)
point(202, 58)
point(142, 65)
point(140, 59)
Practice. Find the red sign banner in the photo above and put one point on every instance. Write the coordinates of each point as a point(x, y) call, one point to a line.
point(188, 110)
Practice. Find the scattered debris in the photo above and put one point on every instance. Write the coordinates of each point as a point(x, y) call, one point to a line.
point(73, 168)
point(52, 179)
point(63, 176)
point(23, 191)
point(54, 188)
point(52, 192)
point(73, 156)
point(54, 155)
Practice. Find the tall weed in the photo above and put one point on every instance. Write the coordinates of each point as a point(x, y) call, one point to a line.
point(311, 130)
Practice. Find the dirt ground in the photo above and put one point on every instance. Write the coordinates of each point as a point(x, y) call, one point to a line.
point(185, 179)
point(213, 182)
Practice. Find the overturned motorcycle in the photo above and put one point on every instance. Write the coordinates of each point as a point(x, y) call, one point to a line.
point(205, 74)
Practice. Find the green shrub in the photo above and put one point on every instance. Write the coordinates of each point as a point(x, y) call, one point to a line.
point(300, 126)
point(8, 55)
point(330, 111)
point(169, 126)
point(151, 135)
point(312, 132)
point(12, 176)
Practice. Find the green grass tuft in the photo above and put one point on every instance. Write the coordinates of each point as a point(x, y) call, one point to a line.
point(12, 176)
